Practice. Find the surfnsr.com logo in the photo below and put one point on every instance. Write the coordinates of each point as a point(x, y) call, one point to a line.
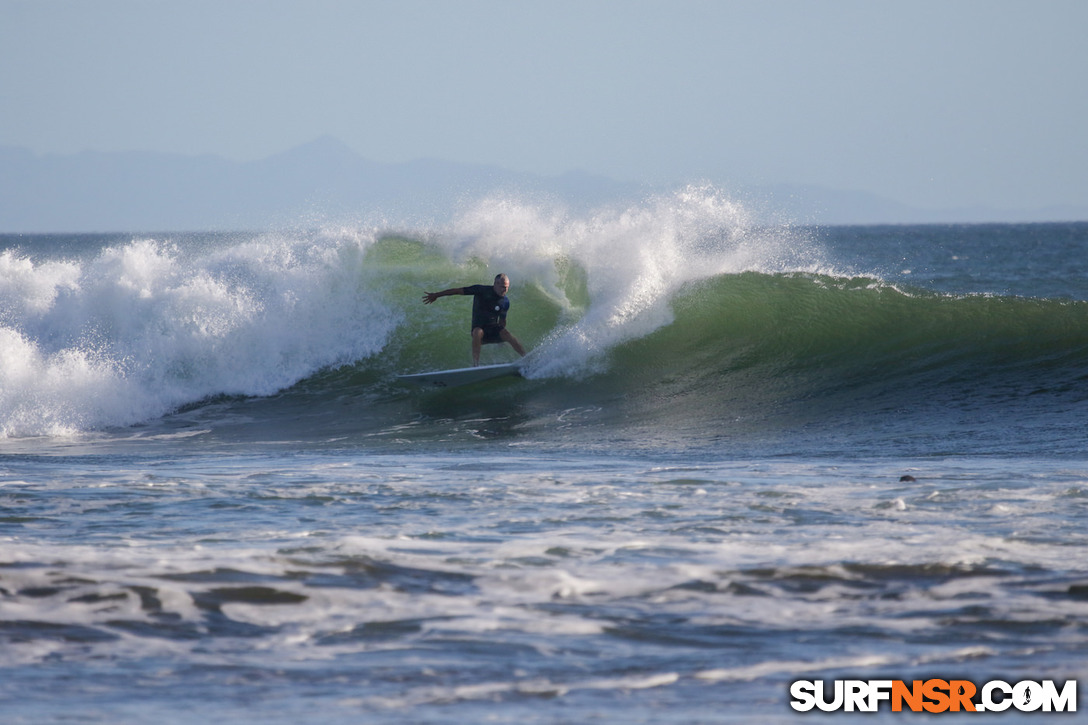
point(933, 696)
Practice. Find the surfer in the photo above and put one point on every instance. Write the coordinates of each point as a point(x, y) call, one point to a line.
point(489, 308)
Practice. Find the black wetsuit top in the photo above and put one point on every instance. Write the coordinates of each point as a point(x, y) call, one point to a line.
point(489, 308)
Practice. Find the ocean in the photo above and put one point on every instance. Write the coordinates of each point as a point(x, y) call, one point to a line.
point(742, 454)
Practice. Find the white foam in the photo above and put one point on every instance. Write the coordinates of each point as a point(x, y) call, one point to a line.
point(146, 326)
point(537, 687)
point(751, 672)
point(635, 258)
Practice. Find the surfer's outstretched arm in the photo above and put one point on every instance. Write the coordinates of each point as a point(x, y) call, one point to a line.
point(430, 297)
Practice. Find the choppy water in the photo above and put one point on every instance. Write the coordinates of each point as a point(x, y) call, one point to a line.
point(217, 503)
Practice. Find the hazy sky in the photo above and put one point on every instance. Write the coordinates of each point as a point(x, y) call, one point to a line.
point(934, 103)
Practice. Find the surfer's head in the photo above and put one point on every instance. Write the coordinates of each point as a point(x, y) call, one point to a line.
point(502, 283)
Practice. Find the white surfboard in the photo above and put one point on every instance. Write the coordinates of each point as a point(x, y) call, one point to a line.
point(462, 376)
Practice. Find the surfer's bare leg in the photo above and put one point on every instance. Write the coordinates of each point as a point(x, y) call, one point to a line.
point(507, 336)
point(477, 343)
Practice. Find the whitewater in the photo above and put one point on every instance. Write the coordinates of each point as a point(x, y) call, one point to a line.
point(743, 453)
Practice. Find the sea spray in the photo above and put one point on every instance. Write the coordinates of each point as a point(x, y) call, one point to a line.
point(634, 259)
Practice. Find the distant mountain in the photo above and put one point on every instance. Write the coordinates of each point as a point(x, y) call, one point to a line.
point(326, 181)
